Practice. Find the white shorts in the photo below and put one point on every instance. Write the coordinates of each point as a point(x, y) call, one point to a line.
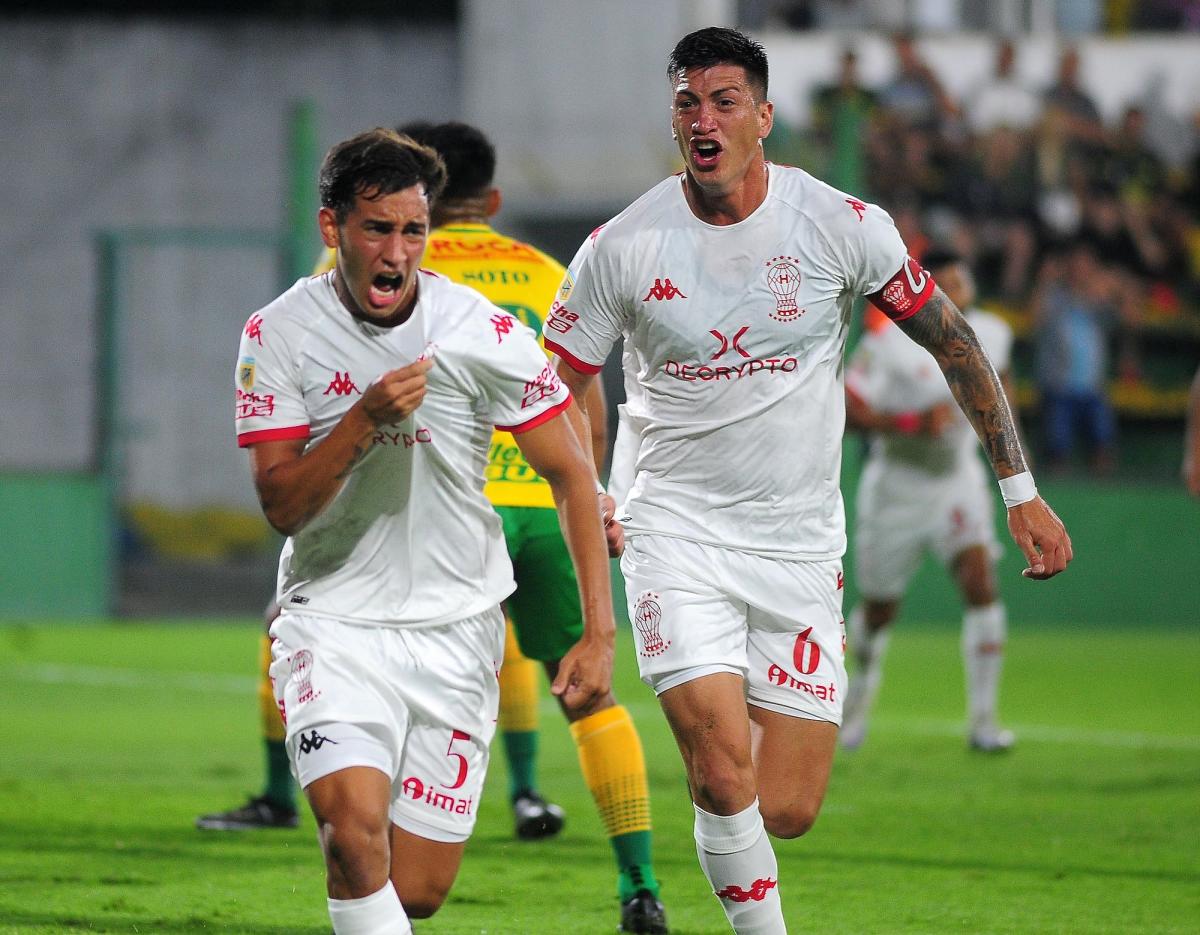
point(901, 514)
point(418, 704)
point(698, 609)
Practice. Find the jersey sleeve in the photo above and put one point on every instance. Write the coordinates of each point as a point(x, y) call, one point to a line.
point(587, 315)
point(269, 398)
point(879, 267)
point(519, 386)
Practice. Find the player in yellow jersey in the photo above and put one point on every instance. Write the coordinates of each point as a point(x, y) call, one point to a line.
point(544, 612)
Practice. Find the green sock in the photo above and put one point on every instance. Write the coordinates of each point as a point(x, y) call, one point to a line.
point(632, 851)
point(280, 789)
point(520, 749)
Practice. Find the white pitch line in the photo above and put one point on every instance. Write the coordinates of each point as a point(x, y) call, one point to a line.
point(137, 679)
point(143, 680)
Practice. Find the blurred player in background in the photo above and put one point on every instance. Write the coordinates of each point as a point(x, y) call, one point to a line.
point(732, 285)
point(923, 489)
point(365, 398)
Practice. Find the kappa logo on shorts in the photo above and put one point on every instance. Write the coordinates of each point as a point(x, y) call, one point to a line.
point(647, 617)
point(301, 674)
point(313, 741)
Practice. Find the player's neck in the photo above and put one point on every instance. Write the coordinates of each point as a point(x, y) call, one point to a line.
point(461, 211)
point(722, 208)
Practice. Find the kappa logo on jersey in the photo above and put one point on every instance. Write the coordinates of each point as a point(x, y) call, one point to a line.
point(314, 741)
point(301, 674)
point(664, 290)
point(783, 279)
point(249, 405)
point(859, 208)
point(841, 580)
point(647, 617)
point(546, 384)
point(341, 385)
point(758, 891)
point(728, 344)
point(254, 328)
point(503, 325)
point(596, 233)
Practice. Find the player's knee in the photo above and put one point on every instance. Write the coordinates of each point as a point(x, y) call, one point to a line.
point(721, 788)
point(354, 854)
point(790, 821)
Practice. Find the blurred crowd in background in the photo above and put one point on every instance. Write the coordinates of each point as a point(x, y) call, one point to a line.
point(1084, 234)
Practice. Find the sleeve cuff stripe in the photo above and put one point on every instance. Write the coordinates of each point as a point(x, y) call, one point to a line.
point(575, 362)
point(273, 435)
point(538, 419)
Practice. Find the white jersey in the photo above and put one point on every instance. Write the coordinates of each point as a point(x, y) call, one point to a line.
point(894, 374)
point(410, 538)
point(737, 333)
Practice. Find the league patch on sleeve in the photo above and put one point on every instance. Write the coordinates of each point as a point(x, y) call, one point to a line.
point(905, 293)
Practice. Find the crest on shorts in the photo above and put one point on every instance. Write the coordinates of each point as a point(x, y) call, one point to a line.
point(647, 618)
point(301, 673)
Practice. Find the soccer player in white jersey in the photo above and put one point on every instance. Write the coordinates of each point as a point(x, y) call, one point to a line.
point(366, 398)
point(923, 488)
point(733, 283)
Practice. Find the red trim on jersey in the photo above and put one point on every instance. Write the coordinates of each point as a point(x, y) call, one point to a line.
point(575, 362)
point(905, 293)
point(273, 435)
point(538, 419)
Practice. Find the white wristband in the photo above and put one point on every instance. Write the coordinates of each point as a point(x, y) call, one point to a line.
point(1017, 489)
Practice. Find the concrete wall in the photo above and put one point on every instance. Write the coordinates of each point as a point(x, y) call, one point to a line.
point(111, 124)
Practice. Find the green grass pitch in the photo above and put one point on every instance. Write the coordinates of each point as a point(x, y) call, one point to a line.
point(112, 739)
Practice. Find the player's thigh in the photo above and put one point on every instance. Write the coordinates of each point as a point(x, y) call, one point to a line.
point(792, 760)
point(975, 574)
point(685, 622)
point(545, 608)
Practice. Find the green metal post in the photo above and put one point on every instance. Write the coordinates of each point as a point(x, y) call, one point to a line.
point(300, 221)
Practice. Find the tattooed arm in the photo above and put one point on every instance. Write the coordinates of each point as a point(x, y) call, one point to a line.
point(295, 485)
point(941, 329)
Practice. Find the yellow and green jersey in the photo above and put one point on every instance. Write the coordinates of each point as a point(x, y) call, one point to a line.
point(521, 280)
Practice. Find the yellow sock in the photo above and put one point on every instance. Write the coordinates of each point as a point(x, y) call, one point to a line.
point(518, 687)
point(272, 723)
point(614, 768)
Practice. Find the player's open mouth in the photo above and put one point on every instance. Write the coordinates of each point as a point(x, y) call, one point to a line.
point(385, 290)
point(706, 152)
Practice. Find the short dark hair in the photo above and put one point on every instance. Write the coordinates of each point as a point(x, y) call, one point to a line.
point(936, 258)
point(469, 155)
point(378, 162)
point(717, 45)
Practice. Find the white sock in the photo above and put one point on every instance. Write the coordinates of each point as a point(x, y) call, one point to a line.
point(377, 914)
point(868, 650)
point(736, 856)
point(983, 656)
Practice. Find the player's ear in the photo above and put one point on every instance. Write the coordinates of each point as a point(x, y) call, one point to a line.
point(766, 119)
point(328, 223)
point(494, 200)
